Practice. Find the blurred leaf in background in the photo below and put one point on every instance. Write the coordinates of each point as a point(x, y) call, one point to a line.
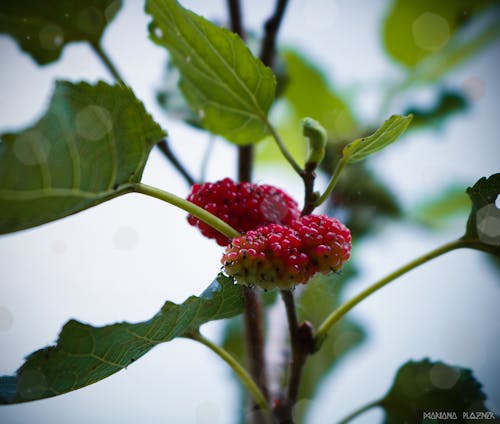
point(449, 103)
point(361, 199)
point(431, 387)
point(415, 30)
point(322, 295)
point(43, 29)
point(307, 92)
point(438, 210)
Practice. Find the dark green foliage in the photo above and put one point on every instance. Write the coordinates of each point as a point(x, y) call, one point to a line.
point(229, 89)
point(448, 104)
point(427, 386)
point(43, 28)
point(90, 144)
point(485, 215)
point(84, 354)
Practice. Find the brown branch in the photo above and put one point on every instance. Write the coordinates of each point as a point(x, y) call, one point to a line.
point(253, 312)
point(254, 328)
point(302, 345)
point(309, 195)
point(169, 154)
point(271, 27)
point(235, 18)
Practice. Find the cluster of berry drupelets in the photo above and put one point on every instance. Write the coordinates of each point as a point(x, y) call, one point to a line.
point(278, 247)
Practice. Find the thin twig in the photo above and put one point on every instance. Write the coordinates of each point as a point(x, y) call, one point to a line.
point(99, 51)
point(164, 146)
point(244, 377)
point(235, 18)
point(302, 344)
point(271, 27)
point(336, 315)
point(200, 213)
point(309, 195)
point(253, 312)
point(359, 412)
point(333, 181)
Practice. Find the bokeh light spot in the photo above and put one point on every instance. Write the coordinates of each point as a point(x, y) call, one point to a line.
point(474, 88)
point(488, 224)
point(59, 247)
point(443, 376)
point(208, 413)
point(6, 319)
point(51, 37)
point(430, 31)
point(31, 147)
point(125, 238)
point(93, 122)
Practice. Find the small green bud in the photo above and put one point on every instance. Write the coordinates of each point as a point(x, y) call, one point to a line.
point(316, 136)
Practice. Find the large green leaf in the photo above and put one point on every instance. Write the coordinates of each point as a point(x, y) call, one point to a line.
point(427, 386)
point(320, 297)
point(415, 30)
point(84, 354)
point(388, 133)
point(224, 83)
point(90, 144)
point(484, 220)
point(43, 29)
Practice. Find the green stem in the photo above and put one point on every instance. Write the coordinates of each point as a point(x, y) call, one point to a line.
point(335, 177)
point(359, 411)
point(107, 62)
point(283, 148)
point(346, 307)
point(245, 378)
point(189, 207)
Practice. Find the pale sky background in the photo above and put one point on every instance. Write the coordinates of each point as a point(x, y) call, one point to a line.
point(123, 259)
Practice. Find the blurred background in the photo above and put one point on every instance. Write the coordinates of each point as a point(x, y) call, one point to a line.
point(123, 259)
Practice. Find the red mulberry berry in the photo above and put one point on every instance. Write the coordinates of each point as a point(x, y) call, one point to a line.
point(326, 241)
point(244, 206)
point(284, 256)
point(268, 257)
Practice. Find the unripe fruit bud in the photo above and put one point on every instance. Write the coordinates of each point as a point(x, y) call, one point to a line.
point(316, 136)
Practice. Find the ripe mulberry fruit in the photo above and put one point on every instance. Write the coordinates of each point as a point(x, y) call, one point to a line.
point(325, 240)
point(284, 256)
point(244, 206)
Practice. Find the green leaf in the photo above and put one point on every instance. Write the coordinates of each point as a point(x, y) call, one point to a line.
point(43, 30)
point(308, 93)
point(320, 297)
point(84, 354)
point(387, 134)
point(449, 203)
point(484, 220)
point(427, 386)
point(224, 83)
point(92, 142)
point(415, 30)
